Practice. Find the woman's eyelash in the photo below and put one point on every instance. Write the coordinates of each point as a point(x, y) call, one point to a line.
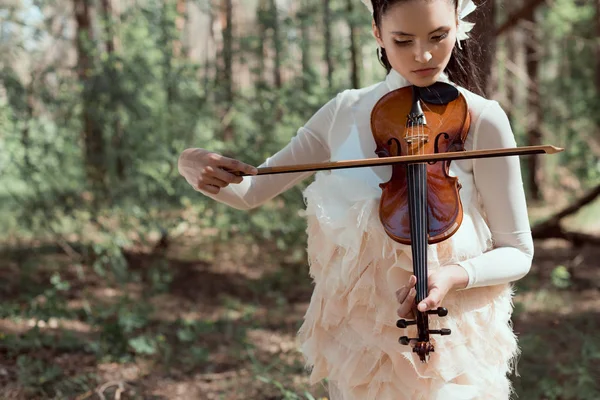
point(437, 38)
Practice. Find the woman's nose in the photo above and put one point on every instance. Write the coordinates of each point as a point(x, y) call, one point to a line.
point(423, 55)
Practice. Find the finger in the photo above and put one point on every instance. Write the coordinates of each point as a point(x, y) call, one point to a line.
point(431, 302)
point(412, 281)
point(403, 291)
point(223, 175)
point(235, 165)
point(211, 181)
point(406, 307)
point(210, 189)
point(405, 312)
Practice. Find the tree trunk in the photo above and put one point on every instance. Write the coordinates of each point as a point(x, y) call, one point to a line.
point(108, 21)
point(276, 44)
point(25, 133)
point(327, 38)
point(354, 49)
point(263, 12)
point(225, 72)
point(534, 134)
point(225, 76)
point(181, 11)
point(551, 227)
point(110, 43)
point(210, 54)
point(512, 42)
point(169, 43)
point(598, 51)
point(303, 16)
point(487, 40)
point(515, 17)
point(94, 152)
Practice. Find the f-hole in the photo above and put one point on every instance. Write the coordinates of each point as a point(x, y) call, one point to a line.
point(398, 147)
point(436, 145)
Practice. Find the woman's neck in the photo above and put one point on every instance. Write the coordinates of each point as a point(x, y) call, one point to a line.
point(397, 81)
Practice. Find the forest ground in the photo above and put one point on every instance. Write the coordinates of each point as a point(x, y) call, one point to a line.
point(219, 322)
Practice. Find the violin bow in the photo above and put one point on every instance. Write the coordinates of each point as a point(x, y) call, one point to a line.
point(413, 159)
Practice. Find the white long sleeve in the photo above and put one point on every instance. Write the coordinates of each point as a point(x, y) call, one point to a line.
point(499, 182)
point(308, 146)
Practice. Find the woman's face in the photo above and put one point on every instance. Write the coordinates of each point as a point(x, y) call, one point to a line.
point(418, 37)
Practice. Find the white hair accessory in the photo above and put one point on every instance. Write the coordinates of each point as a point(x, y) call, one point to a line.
point(369, 5)
point(464, 8)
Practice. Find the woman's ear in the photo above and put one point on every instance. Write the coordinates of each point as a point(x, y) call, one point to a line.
point(377, 34)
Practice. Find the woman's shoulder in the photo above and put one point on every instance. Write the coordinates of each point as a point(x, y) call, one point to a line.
point(477, 103)
point(489, 120)
point(367, 94)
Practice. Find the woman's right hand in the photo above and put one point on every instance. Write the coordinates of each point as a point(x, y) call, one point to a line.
point(406, 297)
point(210, 172)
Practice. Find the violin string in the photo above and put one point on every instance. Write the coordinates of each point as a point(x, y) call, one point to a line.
point(413, 208)
point(419, 208)
point(422, 202)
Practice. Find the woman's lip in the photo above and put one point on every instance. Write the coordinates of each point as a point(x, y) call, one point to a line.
point(425, 71)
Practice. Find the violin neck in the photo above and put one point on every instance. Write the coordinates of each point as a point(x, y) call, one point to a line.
point(417, 199)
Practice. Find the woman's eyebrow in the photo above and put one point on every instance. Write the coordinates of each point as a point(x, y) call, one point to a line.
point(400, 33)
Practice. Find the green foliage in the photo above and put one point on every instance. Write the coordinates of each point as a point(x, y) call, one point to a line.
point(143, 345)
point(569, 373)
point(569, 95)
point(150, 104)
point(36, 375)
point(561, 277)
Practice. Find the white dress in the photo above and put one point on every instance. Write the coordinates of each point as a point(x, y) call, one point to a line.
point(349, 334)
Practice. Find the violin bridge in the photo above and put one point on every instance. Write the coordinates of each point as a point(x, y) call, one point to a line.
point(416, 139)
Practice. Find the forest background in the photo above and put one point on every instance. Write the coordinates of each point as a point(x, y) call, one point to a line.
point(119, 281)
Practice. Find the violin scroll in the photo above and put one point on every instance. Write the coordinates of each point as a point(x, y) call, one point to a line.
point(423, 346)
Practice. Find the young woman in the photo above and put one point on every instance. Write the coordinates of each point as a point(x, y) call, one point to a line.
point(363, 279)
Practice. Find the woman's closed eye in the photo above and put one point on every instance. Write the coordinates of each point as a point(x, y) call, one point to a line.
point(441, 37)
point(437, 38)
point(403, 42)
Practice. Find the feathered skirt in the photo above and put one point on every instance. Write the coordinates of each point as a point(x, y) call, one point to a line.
point(349, 334)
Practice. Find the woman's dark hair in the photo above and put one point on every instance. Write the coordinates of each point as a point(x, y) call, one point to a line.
point(462, 68)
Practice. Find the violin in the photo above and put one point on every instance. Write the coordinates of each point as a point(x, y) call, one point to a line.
point(419, 131)
point(420, 204)
point(425, 192)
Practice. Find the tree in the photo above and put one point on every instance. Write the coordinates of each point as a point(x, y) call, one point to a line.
point(327, 22)
point(354, 46)
point(534, 117)
point(110, 44)
point(94, 147)
point(276, 44)
point(305, 44)
point(181, 11)
point(485, 17)
point(598, 51)
point(225, 71)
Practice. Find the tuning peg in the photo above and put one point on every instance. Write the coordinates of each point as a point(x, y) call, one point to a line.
point(405, 340)
point(402, 323)
point(440, 312)
point(443, 331)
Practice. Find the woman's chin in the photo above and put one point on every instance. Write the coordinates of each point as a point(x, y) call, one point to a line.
point(424, 81)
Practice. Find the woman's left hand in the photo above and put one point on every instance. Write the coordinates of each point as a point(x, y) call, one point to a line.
point(440, 282)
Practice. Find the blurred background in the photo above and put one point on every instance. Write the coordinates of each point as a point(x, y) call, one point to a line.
point(119, 281)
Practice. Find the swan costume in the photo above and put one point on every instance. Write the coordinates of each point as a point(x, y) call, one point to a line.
point(349, 334)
